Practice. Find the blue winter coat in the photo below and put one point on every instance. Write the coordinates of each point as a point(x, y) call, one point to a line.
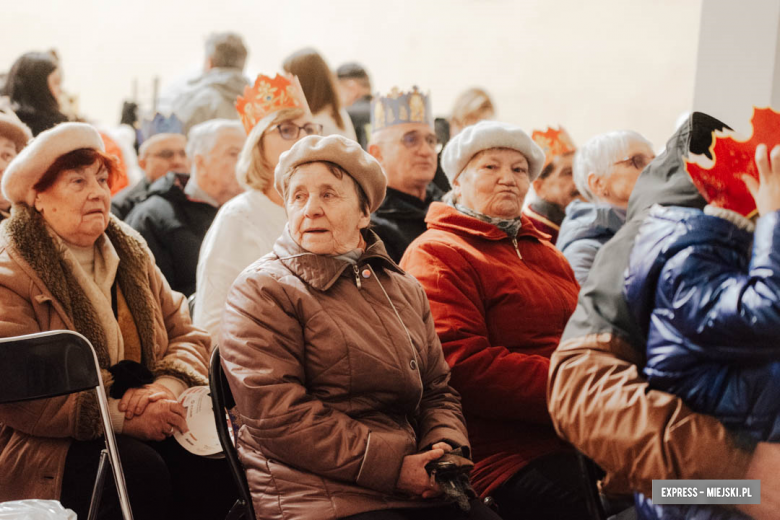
point(585, 229)
point(710, 305)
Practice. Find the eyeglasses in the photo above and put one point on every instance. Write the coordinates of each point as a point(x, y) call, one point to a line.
point(290, 131)
point(168, 154)
point(638, 161)
point(412, 140)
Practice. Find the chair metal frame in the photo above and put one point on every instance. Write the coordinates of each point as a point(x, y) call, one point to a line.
point(222, 400)
point(108, 430)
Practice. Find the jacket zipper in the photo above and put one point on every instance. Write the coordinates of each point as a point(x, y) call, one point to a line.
point(408, 336)
point(357, 276)
point(517, 250)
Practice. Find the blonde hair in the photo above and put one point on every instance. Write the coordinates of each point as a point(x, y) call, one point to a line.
point(253, 171)
point(471, 106)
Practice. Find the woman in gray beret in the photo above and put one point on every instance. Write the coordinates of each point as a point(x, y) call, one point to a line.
point(331, 354)
point(500, 295)
point(67, 264)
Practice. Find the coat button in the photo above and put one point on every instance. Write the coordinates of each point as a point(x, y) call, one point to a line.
point(366, 273)
point(413, 364)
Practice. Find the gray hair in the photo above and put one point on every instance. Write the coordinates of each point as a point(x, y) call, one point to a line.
point(203, 136)
point(226, 50)
point(599, 156)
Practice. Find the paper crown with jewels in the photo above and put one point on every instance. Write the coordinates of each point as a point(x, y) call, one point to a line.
point(269, 95)
point(400, 107)
point(553, 143)
point(161, 125)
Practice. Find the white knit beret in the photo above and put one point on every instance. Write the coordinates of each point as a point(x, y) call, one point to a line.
point(26, 169)
point(348, 154)
point(483, 136)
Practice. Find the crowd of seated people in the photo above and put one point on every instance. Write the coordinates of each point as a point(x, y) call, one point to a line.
point(395, 351)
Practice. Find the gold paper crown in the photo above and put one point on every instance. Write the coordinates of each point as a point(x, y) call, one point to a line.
point(400, 107)
point(553, 143)
point(269, 95)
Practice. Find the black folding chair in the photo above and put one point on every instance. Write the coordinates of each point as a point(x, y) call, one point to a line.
point(222, 401)
point(591, 474)
point(50, 364)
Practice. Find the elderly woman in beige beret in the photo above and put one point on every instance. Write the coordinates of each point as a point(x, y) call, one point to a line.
point(331, 353)
point(67, 264)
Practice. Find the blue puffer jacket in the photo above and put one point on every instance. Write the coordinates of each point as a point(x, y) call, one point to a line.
point(710, 305)
point(585, 229)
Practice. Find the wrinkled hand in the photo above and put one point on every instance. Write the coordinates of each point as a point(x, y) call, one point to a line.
point(135, 400)
point(413, 478)
point(763, 467)
point(160, 419)
point(766, 191)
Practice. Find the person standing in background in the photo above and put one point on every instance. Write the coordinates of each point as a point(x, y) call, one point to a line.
point(355, 88)
point(213, 94)
point(34, 85)
point(319, 87)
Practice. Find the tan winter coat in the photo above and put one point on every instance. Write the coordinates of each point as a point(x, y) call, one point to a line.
point(38, 294)
point(338, 374)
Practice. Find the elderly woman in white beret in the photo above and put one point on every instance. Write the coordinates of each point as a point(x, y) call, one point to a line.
point(331, 353)
point(500, 295)
point(66, 264)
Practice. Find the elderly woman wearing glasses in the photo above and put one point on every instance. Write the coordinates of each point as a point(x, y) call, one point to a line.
point(248, 225)
point(605, 170)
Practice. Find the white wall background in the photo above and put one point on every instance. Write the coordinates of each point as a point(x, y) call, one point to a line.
point(591, 66)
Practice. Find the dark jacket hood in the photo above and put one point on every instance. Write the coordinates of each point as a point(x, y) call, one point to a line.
point(171, 185)
point(602, 307)
point(588, 220)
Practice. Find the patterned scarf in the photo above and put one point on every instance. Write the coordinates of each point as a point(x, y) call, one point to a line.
point(508, 226)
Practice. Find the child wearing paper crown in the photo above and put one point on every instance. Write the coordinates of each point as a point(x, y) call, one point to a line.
point(705, 287)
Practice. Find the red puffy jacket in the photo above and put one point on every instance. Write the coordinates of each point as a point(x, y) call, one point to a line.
point(500, 306)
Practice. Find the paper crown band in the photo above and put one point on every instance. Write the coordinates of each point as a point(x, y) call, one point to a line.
point(161, 125)
point(400, 107)
point(553, 143)
point(269, 95)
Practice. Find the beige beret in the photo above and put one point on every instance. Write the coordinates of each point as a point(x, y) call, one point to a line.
point(11, 127)
point(28, 167)
point(348, 154)
point(483, 136)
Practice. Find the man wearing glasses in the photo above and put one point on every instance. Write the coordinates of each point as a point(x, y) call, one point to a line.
point(158, 155)
point(404, 142)
point(179, 209)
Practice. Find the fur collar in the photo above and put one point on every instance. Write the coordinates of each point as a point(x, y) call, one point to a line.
point(29, 236)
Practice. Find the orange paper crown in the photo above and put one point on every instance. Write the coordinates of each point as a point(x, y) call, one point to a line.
point(268, 96)
point(553, 143)
point(722, 184)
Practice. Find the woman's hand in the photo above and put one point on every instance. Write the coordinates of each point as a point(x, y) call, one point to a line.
point(160, 419)
point(413, 478)
point(766, 191)
point(135, 400)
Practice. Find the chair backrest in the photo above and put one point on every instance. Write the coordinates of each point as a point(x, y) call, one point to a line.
point(191, 304)
point(45, 364)
point(222, 400)
point(591, 474)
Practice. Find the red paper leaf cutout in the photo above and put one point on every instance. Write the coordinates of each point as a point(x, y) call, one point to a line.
point(721, 184)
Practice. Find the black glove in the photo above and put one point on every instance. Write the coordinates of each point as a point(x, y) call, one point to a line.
point(128, 374)
point(452, 472)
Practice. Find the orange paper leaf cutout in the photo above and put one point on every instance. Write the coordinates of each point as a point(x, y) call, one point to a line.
point(721, 185)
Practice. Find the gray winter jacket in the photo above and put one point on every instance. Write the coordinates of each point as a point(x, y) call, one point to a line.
point(210, 96)
point(585, 229)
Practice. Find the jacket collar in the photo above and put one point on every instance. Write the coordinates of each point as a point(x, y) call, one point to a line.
point(398, 204)
point(445, 217)
point(321, 271)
